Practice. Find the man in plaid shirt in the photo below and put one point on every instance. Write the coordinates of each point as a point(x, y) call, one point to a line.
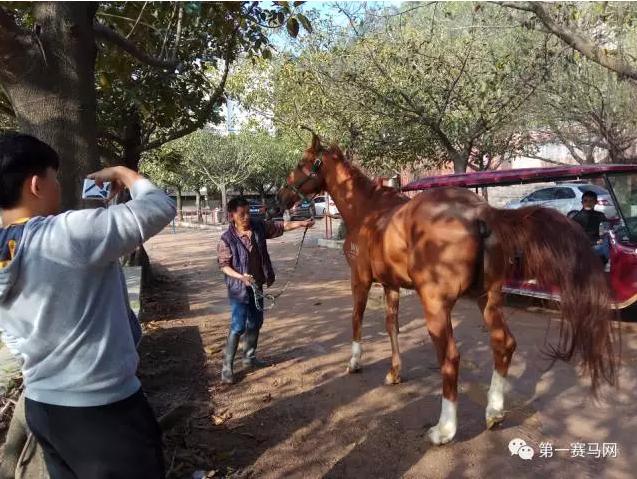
point(243, 257)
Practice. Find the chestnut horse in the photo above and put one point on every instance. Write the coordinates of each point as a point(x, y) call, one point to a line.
point(446, 243)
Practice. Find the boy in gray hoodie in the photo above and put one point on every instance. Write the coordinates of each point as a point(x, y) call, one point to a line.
point(63, 303)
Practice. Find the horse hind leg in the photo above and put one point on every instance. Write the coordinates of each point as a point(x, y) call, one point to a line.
point(503, 345)
point(392, 297)
point(360, 292)
point(438, 320)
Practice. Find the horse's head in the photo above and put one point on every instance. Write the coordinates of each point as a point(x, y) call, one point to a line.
point(307, 179)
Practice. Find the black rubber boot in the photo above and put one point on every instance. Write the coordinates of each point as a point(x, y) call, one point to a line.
point(227, 375)
point(250, 350)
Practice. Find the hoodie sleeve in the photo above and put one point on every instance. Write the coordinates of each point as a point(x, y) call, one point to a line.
point(102, 235)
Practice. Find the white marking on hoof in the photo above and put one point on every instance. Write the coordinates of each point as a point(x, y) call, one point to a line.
point(392, 378)
point(355, 363)
point(445, 430)
point(495, 406)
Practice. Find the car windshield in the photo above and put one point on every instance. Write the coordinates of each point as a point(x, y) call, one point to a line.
point(594, 188)
point(625, 189)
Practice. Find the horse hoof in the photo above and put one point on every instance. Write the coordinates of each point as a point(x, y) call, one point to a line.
point(439, 436)
point(353, 368)
point(494, 418)
point(392, 378)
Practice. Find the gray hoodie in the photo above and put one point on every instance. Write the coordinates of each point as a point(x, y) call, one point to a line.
point(63, 305)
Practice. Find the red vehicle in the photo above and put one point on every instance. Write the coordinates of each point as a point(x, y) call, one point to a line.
point(619, 180)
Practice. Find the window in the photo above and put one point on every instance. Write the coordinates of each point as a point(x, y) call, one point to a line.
point(594, 188)
point(542, 195)
point(564, 193)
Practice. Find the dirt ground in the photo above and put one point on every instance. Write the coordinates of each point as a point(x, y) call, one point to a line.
point(305, 417)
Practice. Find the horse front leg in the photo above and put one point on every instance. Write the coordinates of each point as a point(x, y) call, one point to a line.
point(360, 292)
point(392, 297)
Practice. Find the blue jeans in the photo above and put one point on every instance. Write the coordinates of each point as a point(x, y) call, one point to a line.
point(246, 316)
point(603, 249)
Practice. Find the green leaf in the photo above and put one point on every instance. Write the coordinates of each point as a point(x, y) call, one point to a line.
point(293, 27)
point(305, 22)
point(104, 81)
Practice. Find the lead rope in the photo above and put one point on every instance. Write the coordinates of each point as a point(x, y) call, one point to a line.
point(258, 293)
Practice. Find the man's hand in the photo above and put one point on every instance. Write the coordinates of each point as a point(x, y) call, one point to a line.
point(120, 177)
point(246, 279)
point(293, 225)
point(307, 223)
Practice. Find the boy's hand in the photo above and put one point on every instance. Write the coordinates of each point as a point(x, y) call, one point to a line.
point(247, 279)
point(119, 176)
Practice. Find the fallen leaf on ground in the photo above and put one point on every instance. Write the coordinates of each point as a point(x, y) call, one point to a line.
point(219, 419)
point(210, 350)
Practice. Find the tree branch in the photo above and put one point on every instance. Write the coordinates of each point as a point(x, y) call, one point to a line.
point(454, 83)
point(547, 160)
point(15, 43)
point(110, 35)
point(570, 147)
point(523, 6)
point(212, 103)
point(109, 135)
point(575, 40)
point(180, 17)
point(139, 17)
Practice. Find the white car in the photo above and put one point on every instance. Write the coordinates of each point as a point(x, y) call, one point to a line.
point(567, 198)
point(320, 206)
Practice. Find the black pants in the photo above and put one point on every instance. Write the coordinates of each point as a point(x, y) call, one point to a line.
point(117, 441)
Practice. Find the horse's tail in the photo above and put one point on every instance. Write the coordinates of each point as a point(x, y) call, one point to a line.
point(555, 251)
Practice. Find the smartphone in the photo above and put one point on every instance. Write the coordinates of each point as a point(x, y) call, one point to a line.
point(90, 190)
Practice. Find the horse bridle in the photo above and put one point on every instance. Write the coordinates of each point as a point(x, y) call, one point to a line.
point(316, 167)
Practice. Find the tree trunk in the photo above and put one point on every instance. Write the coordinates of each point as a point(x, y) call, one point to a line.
point(180, 210)
point(224, 203)
point(51, 87)
point(132, 141)
point(198, 206)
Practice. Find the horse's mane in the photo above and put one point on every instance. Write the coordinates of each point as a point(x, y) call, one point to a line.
point(363, 182)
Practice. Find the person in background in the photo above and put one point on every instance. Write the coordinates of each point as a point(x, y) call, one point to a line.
point(64, 306)
point(243, 257)
point(590, 220)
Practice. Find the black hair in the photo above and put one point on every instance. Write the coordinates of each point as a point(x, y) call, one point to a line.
point(589, 194)
point(235, 203)
point(22, 156)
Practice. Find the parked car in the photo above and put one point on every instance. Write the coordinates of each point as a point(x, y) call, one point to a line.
point(302, 210)
point(321, 206)
point(257, 210)
point(567, 198)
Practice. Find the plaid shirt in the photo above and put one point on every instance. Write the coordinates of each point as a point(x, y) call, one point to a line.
point(273, 229)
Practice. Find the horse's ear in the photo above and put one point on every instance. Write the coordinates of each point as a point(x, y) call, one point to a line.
point(316, 142)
